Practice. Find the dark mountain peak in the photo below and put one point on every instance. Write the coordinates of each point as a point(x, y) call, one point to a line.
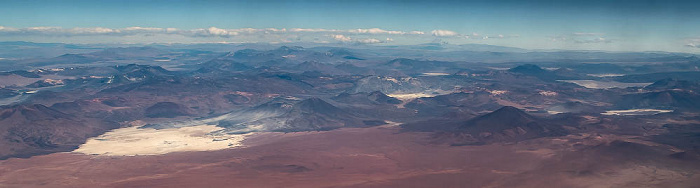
point(377, 94)
point(661, 100)
point(242, 52)
point(503, 118)
point(564, 71)
point(527, 69)
point(375, 97)
point(72, 56)
point(508, 112)
point(380, 97)
point(344, 53)
point(45, 83)
point(316, 105)
point(275, 104)
point(24, 73)
point(543, 74)
point(402, 61)
point(34, 112)
point(672, 83)
point(507, 124)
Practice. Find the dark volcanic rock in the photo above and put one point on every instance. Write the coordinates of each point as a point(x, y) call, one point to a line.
point(222, 65)
point(510, 117)
point(237, 99)
point(668, 99)
point(670, 83)
point(375, 98)
point(6, 93)
point(286, 115)
point(507, 124)
point(27, 130)
point(412, 66)
point(25, 74)
point(45, 83)
point(115, 102)
point(536, 71)
point(166, 110)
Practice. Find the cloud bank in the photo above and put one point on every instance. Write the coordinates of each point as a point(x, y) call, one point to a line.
point(693, 43)
point(244, 35)
point(200, 32)
point(583, 38)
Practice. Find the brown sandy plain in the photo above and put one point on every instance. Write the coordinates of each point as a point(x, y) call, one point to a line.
point(370, 157)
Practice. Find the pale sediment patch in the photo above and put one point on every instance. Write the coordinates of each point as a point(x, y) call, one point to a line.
point(409, 96)
point(554, 112)
point(548, 93)
point(434, 74)
point(391, 124)
point(593, 84)
point(498, 92)
point(635, 112)
point(605, 75)
point(132, 141)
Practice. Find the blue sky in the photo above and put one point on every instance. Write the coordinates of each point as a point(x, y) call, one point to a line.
point(587, 25)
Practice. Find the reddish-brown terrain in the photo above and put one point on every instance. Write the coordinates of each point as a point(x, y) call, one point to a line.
point(292, 116)
point(371, 157)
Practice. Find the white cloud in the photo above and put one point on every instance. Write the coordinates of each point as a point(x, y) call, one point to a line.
point(341, 38)
point(368, 41)
point(583, 38)
point(7, 29)
point(376, 31)
point(593, 40)
point(444, 33)
point(416, 33)
point(199, 32)
point(42, 28)
point(89, 31)
point(217, 32)
point(156, 34)
point(147, 29)
point(171, 30)
point(311, 30)
point(692, 42)
point(587, 34)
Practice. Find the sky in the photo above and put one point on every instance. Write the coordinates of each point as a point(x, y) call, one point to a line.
point(639, 25)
